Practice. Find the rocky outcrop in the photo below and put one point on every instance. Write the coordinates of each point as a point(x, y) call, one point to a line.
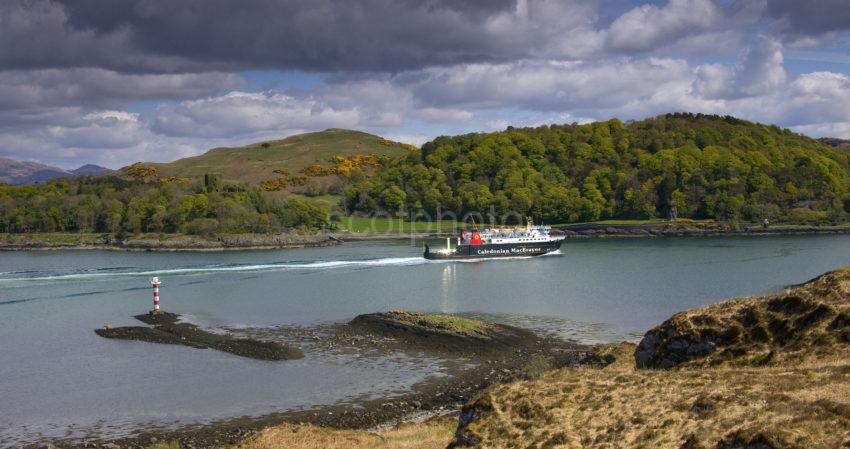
point(811, 319)
point(445, 333)
point(168, 330)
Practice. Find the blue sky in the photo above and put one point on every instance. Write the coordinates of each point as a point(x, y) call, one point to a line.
point(155, 80)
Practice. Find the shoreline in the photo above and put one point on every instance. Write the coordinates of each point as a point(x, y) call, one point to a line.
point(494, 362)
point(673, 229)
point(167, 243)
point(258, 242)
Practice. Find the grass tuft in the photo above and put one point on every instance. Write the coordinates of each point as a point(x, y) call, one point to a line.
point(448, 323)
point(432, 434)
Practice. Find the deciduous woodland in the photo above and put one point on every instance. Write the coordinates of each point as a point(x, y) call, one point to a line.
point(115, 205)
point(700, 166)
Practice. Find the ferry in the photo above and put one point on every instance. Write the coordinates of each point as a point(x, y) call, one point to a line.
point(499, 242)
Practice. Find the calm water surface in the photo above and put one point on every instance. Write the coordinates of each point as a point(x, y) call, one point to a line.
point(58, 379)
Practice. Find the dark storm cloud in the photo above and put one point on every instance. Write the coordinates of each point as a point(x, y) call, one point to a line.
point(344, 36)
point(817, 19)
point(323, 35)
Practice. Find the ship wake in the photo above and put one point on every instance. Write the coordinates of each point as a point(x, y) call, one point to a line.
point(30, 277)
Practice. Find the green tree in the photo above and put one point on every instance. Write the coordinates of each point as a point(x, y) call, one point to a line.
point(394, 198)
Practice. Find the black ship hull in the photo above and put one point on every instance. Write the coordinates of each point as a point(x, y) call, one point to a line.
point(524, 249)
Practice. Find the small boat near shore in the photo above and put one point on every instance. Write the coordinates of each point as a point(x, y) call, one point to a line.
point(499, 242)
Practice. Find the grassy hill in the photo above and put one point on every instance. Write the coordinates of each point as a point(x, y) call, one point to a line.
point(257, 162)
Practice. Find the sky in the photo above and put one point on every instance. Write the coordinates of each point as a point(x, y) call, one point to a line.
point(118, 81)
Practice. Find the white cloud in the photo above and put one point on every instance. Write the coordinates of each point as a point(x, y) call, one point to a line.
point(106, 140)
point(244, 113)
point(413, 139)
point(377, 104)
point(102, 129)
point(549, 85)
point(840, 130)
point(819, 98)
point(759, 72)
point(762, 71)
point(648, 26)
point(442, 115)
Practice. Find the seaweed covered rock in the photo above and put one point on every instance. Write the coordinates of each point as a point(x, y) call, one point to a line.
point(158, 318)
point(168, 330)
point(445, 332)
point(808, 320)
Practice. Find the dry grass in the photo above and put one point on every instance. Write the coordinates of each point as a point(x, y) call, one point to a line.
point(432, 434)
point(734, 397)
point(166, 445)
point(807, 406)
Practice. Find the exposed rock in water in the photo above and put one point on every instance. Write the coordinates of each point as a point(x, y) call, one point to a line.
point(157, 319)
point(808, 320)
point(166, 329)
point(445, 332)
point(467, 373)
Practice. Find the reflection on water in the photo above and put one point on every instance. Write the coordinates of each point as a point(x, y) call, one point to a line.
point(57, 376)
point(564, 328)
point(448, 304)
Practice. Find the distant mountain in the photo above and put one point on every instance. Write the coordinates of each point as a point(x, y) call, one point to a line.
point(843, 144)
point(91, 170)
point(18, 172)
point(261, 161)
point(24, 172)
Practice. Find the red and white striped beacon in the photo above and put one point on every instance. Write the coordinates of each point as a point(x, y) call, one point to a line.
point(155, 284)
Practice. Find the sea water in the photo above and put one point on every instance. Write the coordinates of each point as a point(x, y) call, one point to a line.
point(59, 379)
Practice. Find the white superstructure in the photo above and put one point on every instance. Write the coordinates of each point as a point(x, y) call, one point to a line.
point(496, 236)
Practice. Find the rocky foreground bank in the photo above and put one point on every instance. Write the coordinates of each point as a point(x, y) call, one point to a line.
point(770, 372)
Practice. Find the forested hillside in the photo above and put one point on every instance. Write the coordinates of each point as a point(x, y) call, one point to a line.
point(694, 165)
point(119, 206)
point(226, 190)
